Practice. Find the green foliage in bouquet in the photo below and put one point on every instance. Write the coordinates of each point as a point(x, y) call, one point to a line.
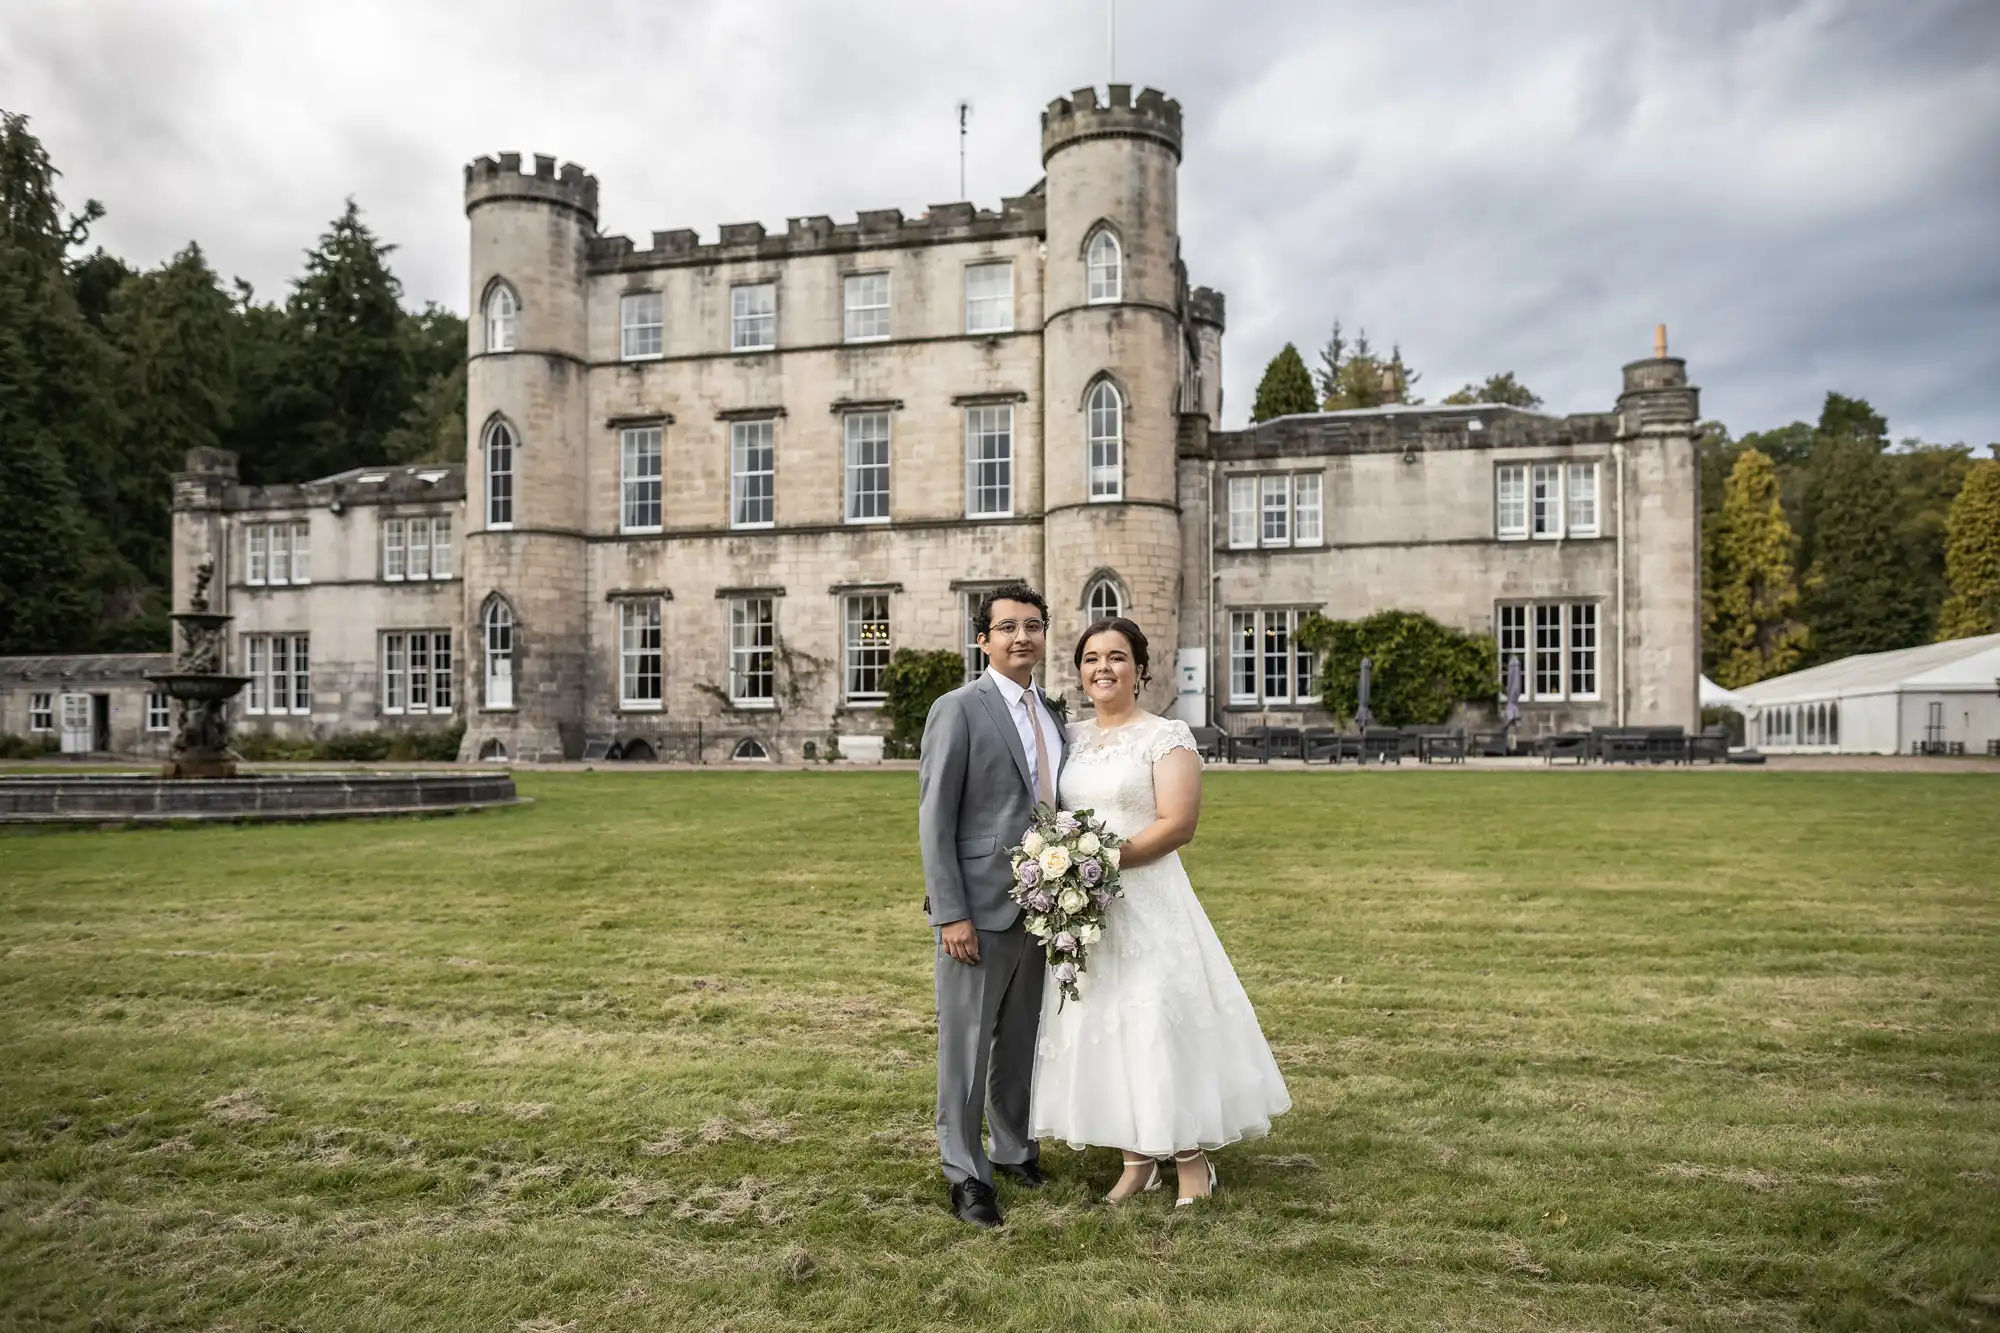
point(914, 681)
point(1421, 670)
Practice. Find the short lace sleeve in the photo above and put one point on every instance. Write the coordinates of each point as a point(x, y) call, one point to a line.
point(1170, 734)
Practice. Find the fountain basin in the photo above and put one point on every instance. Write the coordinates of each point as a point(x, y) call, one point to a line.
point(199, 686)
point(138, 799)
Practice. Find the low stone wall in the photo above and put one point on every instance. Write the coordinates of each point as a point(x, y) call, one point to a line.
point(62, 799)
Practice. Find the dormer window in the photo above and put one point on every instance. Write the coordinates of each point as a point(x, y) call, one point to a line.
point(1104, 263)
point(501, 308)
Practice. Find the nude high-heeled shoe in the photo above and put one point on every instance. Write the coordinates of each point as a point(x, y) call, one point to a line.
point(1213, 1183)
point(1152, 1179)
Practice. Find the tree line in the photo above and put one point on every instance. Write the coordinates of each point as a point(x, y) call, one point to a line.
point(1819, 540)
point(110, 374)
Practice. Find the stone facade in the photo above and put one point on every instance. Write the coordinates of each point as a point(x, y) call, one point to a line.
point(673, 522)
point(88, 703)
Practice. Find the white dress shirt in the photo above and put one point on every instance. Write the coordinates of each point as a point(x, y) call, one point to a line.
point(1043, 718)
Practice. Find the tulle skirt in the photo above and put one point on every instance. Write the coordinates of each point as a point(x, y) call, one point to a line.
point(1163, 1053)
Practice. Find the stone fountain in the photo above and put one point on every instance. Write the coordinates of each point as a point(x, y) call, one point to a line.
point(200, 781)
point(200, 689)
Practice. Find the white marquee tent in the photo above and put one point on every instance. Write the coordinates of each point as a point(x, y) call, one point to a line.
point(1942, 698)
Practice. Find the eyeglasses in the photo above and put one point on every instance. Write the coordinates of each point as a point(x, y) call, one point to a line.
point(1013, 627)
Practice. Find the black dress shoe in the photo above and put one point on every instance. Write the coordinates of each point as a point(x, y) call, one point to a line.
point(972, 1201)
point(1028, 1175)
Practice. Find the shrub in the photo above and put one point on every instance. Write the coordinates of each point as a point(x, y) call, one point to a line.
point(1421, 670)
point(914, 681)
point(438, 745)
point(27, 747)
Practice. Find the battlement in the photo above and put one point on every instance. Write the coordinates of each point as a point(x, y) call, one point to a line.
point(1152, 115)
point(1205, 306)
point(873, 229)
point(488, 179)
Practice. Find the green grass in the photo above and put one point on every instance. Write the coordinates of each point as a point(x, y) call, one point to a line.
point(1589, 1051)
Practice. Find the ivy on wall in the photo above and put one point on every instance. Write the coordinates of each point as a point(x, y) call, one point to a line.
point(913, 682)
point(1421, 670)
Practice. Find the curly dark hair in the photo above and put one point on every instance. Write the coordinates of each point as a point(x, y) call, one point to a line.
point(1133, 635)
point(982, 620)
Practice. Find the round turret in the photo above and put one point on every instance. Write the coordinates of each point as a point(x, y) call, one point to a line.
point(1114, 347)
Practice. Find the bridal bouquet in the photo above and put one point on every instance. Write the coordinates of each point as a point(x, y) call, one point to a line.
point(1065, 875)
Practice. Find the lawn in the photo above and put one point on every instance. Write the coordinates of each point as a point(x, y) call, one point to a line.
point(1569, 1051)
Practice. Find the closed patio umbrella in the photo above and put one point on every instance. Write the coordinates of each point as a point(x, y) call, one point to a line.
point(1512, 712)
point(1362, 717)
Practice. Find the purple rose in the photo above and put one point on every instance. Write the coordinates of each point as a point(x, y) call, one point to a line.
point(1067, 823)
point(1029, 873)
point(1065, 973)
point(1041, 900)
point(1065, 943)
point(1102, 898)
point(1090, 871)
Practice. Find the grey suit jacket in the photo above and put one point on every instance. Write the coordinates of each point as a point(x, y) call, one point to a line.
point(974, 802)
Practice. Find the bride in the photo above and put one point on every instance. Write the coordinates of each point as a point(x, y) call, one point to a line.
point(1163, 1056)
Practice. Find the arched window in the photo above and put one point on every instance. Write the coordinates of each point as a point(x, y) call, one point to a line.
point(1104, 265)
point(751, 749)
point(493, 749)
point(498, 630)
point(1833, 723)
point(501, 307)
point(1103, 601)
point(1104, 411)
point(500, 446)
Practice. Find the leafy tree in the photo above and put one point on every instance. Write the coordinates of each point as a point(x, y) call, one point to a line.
point(913, 681)
point(1361, 377)
point(1926, 478)
point(1972, 555)
point(1502, 388)
point(1750, 598)
point(1858, 596)
point(1421, 670)
point(432, 429)
point(1844, 418)
point(1286, 388)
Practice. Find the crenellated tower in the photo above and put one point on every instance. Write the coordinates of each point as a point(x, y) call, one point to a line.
point(525, 623)
point(1110, 476)
point(1656, 496)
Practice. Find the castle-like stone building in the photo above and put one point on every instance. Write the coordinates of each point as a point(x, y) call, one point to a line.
point(712, 486)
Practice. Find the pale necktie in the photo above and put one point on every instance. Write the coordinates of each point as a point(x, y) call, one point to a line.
point(1045, 783)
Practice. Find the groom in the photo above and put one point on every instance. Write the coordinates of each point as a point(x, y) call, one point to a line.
point(991, 750)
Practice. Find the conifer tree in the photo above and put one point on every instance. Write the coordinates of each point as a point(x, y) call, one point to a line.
point(1286, 388)
point(1750, 598)
point(1972, 556)
point(1502, 388)
point(1859, 597)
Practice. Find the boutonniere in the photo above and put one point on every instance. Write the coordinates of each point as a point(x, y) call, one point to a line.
point(1057, 705)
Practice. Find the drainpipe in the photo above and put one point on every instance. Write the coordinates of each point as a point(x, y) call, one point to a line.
point(1208, 631)
point(1623, 638)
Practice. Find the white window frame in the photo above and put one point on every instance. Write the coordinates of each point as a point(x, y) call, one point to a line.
point(1581, 512)
point(1103, 600)
point(1546, 655)
point(989, 476)
point(496, 634)
point(395, 673)
point(502, 308)
point(393, 547)
point(866, 644)
point(1243, 512)
point(865, 318)
point(642, 326)
point(441, 566)
point(279, 572)
point(866, 474)
point(1264, 639)
point(753, 473)
point(641, 655)
point(416, 672)
point(41, 712)
point(301, 538)
point(498, 447)
point(1545, 501)
point(753, 317)
point(1274, 509)
point(986, 310)
point(256, 557)
point(1510, 630)
point(1510, 501)
point(641, 473)
point(1308, 515)
point(1104, 442)
point(753, 651)
point(1560, 646)
point(280, 671)
point(159, 711)
point(1582, 669)
point(1104, 268)
point(417, 556)
point(257, 666)
point(975, 656)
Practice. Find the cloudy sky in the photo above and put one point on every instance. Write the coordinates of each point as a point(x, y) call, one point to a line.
point(1807, 194)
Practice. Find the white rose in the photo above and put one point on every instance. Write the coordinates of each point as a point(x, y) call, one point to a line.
point(1055, 861)
point(1038, 926)
point(1111, 855)
point(1072, 900)
point(1088, 844)
point(1090, 932)
point(1033, 844)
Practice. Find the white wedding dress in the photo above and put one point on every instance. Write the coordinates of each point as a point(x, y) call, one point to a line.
point(1163, 1053)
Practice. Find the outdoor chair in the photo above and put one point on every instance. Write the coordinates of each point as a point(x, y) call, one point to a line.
point(1448, 748)
point(1253, 741)
point(1319, 743)
point(1566, 745)
point(1382, 744)
point(1490, 744)
point(1285, 742)
point(1710, 747)
point(1625, 747)
point(1209, 742)
point(1666, 745)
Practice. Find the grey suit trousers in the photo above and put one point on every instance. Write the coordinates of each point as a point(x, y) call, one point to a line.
point(988, 1015)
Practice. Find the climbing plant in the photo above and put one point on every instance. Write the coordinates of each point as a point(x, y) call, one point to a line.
point(915, 680)
point(1420, 670)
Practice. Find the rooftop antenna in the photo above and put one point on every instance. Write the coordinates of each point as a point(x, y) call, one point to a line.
point(964, 110)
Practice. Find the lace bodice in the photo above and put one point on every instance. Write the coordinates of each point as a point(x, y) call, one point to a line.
point(1111, 772)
